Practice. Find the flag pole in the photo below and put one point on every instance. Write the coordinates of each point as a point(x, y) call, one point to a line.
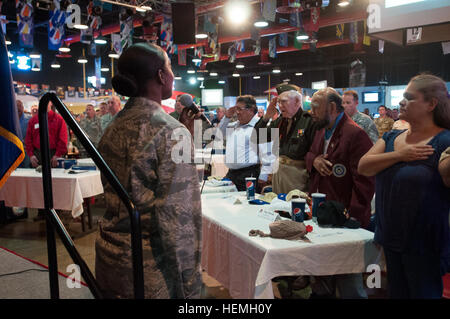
point(84, 77)
point(112, 67)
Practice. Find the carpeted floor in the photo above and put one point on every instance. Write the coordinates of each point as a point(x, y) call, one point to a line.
point(21, 278)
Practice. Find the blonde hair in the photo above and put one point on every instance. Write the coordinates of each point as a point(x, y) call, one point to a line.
point(433, 87)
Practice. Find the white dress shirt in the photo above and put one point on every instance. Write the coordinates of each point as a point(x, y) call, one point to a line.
point(241, 152)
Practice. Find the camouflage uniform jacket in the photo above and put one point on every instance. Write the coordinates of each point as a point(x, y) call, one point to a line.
point(384, 125)
point(365, 122)
point(137, 146)
point(105, 120)
point(92, 128)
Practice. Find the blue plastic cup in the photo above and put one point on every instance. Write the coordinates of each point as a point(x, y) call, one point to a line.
point(298, 209)
point(317, 199)
point(60, 162)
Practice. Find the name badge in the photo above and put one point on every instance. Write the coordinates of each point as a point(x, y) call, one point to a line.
point(268, 215)
point(36, 126)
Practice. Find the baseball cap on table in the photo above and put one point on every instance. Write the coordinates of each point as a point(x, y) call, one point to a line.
point(283, 87)
point(335, 214)
point(284, 229)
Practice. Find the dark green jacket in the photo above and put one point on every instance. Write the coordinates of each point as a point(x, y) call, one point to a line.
point(295, 143)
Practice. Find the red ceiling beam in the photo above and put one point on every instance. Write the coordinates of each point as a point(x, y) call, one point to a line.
point(324, 22)
point(306, 46)
point(344, 17)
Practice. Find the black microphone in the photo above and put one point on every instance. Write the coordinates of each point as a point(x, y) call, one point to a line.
point(187, 101)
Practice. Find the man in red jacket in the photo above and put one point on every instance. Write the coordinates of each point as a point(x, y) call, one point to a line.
point(332, 162)
point(57, 132)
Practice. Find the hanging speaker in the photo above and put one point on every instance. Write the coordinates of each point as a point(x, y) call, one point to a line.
point(183, 23)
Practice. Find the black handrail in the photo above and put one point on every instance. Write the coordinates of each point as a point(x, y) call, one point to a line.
point(53, 221)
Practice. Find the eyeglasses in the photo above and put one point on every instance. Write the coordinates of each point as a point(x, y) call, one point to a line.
point(240, 109)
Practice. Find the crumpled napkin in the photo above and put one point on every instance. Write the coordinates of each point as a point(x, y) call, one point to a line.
point(217, 183)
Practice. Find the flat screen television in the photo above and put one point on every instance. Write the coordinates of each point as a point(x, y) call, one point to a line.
point(371, 97)
point(212, 97)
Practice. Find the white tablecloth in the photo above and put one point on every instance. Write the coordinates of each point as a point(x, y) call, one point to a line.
point(24, 189)
point(245, 265)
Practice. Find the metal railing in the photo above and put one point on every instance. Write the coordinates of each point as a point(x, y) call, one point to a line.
point(54, 223)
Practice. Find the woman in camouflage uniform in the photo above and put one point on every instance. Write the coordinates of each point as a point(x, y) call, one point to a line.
point(137, 146)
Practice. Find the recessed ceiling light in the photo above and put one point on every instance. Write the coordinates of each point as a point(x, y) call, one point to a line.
point(240, 66)
point(190, 71)
point(276, 70)
point(213, 74)
point(256, 77)
point(221, 82)
point(343, 3)
point(236, 75)
point(298, 73)
point(200, 78)
point(201, 35)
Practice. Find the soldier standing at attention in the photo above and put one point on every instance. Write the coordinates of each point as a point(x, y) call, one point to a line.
point(91, 125)
point(296, 134)
point(350, 103)
point(384, 123)
point(137, 146)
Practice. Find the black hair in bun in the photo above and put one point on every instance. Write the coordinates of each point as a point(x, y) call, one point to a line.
point(125, 85)
point(137, 65)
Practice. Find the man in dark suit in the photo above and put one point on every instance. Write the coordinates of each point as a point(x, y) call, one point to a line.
point(332, 162)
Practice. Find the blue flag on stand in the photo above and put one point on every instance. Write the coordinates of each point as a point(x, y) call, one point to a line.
point(11, 147)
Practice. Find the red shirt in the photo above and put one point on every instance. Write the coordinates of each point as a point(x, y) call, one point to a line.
point(57, 134)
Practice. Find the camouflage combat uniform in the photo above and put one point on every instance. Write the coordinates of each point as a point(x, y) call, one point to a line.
point(137, 146)
point(93, 129)
point(365, 122)
point(384, 125)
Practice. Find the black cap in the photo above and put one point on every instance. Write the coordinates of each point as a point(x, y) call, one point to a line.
point(335, 214)
point(283, 87)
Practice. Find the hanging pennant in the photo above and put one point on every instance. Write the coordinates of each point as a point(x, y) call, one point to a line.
point(357, 74)
point(313, 25)
point(269, 10)
point(56, 24)
point(126, 30)
point(257, 47)
point(381, 46)
point(354, 32)
point(3, 22)
point(283, 40)
point(116, 43)
point(273, 47)
point(366, 38)
point(166, 36)
point(240, 46)
point(24, 13)
point(340, 31)
point(232, 53)
point(182, 57)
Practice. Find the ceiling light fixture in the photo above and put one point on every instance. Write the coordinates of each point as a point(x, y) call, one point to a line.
point(7, 41)
point(82, 59)
point(343, 3)
point(55, 64)
point(221, 82)
point(191, 71)
point(237, 11)
point(104, 69)
point(100, 40)
point(64, 48)
point(35, 55)
point(177, 77)
point(299, 74)
point(276, 70)
point(121, 3)
point(240, 65)
point(256, 77)
point(213, 74)
point(196, 60)
point(302, 36)
point(236, 75)
point(113, 55)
